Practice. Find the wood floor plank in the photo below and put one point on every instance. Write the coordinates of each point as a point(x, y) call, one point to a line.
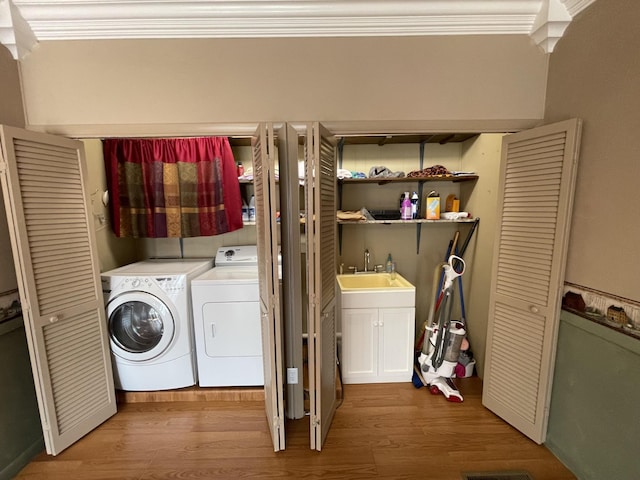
point(380, 431)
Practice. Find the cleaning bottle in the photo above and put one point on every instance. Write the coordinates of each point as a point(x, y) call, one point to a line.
point(405, 212)
point(252, 209)
point(245, 211)
point(414, 206)
point(389, 266)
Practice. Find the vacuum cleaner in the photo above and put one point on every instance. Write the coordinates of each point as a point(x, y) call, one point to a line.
point(443, 337)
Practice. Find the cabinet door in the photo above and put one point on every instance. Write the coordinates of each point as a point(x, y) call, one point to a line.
point(396, 337)
point(359, 345)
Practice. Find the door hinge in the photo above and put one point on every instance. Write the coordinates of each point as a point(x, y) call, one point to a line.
point(278, 422)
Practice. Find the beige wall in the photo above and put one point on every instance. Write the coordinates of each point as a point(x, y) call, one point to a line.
point(594, 74)
point(11, 109)
point(86, 88)
point(112, 251)
point(483, 157)
point(11, 113)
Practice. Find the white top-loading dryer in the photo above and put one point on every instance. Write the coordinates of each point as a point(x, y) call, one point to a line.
point(226, 314)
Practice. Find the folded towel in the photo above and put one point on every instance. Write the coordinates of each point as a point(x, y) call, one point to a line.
point(342, 173)
point(351, 215)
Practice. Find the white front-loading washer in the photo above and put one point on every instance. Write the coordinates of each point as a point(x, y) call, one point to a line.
point(150, 323)
point(226, 314)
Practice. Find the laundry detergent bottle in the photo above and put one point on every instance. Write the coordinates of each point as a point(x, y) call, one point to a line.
point(405, 211)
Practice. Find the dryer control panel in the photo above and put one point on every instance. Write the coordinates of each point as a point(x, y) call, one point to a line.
point(237, 255)
point(171, 284)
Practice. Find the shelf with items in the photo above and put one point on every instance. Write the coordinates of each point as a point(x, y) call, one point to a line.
point(414, 179)
point(368, 219)
point(418, 222)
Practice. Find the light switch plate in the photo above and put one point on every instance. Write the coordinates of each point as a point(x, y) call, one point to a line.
point(292, 376)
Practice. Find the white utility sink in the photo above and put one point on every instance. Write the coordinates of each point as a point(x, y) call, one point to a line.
point(376, 290)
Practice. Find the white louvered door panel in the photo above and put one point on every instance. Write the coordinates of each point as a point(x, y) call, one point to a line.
point(535, 201)
point(51, 225)
point(321, 254)
point(269, 285)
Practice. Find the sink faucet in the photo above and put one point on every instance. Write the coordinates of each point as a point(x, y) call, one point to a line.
point(367, 260)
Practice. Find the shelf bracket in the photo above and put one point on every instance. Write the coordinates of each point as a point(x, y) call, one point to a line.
point(418, 231)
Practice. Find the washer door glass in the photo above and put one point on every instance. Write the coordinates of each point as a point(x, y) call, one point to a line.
point(140, 326)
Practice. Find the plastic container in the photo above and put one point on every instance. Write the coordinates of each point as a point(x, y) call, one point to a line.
point(433, 206)
point(389, 266)
point(252, 209)
point(245, 211)
point(405, 211)
point(414, 205)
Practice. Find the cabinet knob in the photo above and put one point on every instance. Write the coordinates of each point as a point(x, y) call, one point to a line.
point(534, 309)
point(54, 319)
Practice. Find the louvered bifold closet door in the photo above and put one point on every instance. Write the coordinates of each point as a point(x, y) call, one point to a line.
point(267, 242)
point(52, 237)
point(537, 182)
point(320, 185)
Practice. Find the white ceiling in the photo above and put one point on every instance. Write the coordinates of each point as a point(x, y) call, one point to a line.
point(24, 23)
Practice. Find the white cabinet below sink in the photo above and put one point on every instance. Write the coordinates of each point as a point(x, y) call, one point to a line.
point(377, 344)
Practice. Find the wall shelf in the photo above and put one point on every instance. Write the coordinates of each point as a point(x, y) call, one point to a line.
point(403, 222)
point(385, 180)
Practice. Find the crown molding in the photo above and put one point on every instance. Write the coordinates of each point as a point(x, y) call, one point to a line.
point(574, 7)
point(15, 32)
point(550, 24)
point(45, 20)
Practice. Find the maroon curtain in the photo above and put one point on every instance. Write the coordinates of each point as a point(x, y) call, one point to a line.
point(182, 187)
